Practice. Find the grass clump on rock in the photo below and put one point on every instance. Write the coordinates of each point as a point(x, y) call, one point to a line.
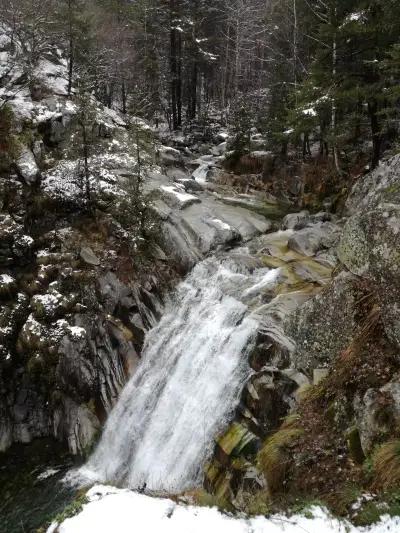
point(275, 457)
point(386, 465)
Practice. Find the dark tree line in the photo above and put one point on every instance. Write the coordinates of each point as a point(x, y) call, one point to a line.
point(304, 71)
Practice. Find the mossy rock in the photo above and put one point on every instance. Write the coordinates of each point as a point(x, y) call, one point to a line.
point(354, 445)
point(237, 440)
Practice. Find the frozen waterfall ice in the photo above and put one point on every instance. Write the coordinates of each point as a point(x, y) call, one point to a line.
point(193, 368)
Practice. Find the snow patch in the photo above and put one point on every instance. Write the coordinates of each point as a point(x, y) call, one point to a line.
point(122, 511)
point(177, 195)
point(50, 472)
point(5, 280)
point(310, 112)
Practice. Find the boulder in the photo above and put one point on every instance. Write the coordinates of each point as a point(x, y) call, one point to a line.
point(297, 221)
point(8, 286)
point(324, 326)
point(311, 239)
point(27, 167)
point(169, 156)
point(88, 256)
point(76, 424)
point(190, 185)
point(174, 196)
point(378, 414)
point(38, 151)
point(268, 396)
point(370, 243)
point(48, 306)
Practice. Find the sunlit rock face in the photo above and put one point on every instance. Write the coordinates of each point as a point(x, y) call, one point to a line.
point(370, 243)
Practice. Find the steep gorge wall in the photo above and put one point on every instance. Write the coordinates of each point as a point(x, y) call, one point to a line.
point(344, 342)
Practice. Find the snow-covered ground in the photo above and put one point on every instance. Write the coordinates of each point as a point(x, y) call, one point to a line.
point(113, 510)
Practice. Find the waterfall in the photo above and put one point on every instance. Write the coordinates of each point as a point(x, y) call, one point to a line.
point(193, 368)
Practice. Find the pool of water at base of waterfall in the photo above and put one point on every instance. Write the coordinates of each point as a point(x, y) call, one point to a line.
point(32, 492)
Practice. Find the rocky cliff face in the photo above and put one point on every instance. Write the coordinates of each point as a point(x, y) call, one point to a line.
point(73, 316)
point(76, 300)
point(298, 440)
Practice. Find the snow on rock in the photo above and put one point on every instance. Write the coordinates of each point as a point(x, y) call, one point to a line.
point(76, 332)
point(201, 174)
point(27, 167)
point(169, 156)
point(6, 279)
point(176, 197)
point(220, 224)
point(53, 75)
point(261, 154)
point(310, 112)
point(65, 182)
point(123, 511)
point(354, 17)
point(223, 136)
point(49, 472)
point(220, 149)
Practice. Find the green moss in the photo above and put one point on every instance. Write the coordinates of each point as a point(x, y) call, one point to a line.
point(304, 506)
point(354, 445)
point(342, 502)
point(369, 514)
point(237, 440)
point(372, 511)
point(72, 509)
point(392, 189)
point(203, 498)
point(7, 141)
point(258, 504)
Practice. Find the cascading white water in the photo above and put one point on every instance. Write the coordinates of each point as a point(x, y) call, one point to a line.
point(193, 368)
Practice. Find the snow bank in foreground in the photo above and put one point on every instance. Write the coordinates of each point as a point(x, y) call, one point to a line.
point(113, 510)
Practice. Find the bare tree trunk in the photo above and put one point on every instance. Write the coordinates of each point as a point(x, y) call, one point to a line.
point(179, 79)
point(237, 57)
point(295, 48)
point(192, 96)
point(175, 68)
point(376, 132)
point(85, 148)
point(70, 49)
point(123, 96)
point(334, 109)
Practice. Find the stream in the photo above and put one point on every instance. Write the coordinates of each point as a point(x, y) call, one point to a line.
point(193, 368)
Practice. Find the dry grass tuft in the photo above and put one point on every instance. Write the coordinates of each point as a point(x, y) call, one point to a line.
point(347, 360)
point(311, 393)
point(275, 458)
point(386, 466)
